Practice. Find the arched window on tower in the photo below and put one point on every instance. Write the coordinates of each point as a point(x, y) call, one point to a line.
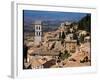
point(36, 33)
point(36, 27)
point(39, 28)
point(39, 33)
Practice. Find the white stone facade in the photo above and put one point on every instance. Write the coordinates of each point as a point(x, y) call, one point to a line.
point(38, 32)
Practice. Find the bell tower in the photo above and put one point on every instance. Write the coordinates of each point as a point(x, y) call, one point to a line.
point(38, 32)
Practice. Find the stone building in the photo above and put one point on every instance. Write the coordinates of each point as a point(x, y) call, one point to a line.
point(71, 45)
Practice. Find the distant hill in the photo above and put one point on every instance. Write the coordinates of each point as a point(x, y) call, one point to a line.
point(46, 26)
point(85, 23)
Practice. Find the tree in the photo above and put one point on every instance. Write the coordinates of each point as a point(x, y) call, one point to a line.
point(25, 51)
point(63, 35)
point(60, 35)
point(64, 55)
point(85, 23)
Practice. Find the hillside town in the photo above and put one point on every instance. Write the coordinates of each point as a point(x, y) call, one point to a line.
point(67, 46)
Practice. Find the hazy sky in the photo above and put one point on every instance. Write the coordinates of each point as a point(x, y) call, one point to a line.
point(31, 15)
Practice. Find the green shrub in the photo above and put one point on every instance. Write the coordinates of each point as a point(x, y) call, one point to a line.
point(64, 55)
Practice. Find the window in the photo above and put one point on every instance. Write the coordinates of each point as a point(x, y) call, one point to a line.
point(36, 27)
point(39, 33)
point(39, 27)
point(36, 33)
